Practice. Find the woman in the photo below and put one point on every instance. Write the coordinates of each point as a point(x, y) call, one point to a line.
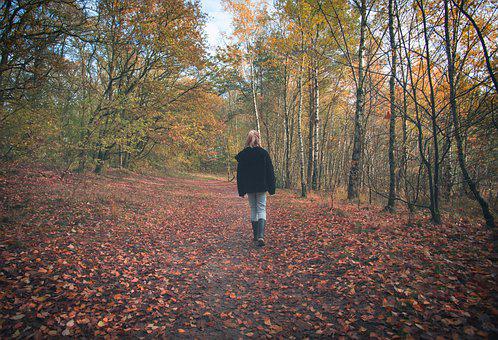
point(255, 176)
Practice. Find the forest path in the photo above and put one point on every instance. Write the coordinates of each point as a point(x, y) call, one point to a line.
point(90, 255)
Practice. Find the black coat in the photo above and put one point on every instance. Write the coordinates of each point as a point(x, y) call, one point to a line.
point(255, 171)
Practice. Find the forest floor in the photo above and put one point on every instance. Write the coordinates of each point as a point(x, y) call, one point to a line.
point(136, 255)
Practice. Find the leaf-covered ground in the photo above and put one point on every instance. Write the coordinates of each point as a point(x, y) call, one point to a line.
point(135, 255)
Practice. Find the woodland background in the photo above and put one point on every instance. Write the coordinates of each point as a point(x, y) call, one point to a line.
point(386, 101)
point(118, 129)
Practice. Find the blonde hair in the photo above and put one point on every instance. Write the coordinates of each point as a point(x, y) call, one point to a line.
point(253, 139)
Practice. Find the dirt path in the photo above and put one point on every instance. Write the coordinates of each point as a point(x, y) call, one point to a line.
point(141, 256)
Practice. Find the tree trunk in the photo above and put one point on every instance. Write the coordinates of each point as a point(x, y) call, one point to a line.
point(354, 178)
point(254, 99)
point(299, 127)
point(310, 125)
point(314, 179)
point(488, 216)
point(287, 134)
point(404, 157)
point(392, 119)
point(434, 187)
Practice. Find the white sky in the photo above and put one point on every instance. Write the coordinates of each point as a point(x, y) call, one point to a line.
point(218, 22)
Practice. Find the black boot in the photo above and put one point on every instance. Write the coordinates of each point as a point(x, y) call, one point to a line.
point(261, 232)
point(254, 230)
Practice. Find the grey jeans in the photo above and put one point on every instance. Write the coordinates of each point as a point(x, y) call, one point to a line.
point(257, 202)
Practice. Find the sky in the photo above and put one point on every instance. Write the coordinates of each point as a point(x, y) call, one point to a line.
point(218, 22)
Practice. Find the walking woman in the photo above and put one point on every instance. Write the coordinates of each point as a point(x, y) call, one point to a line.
point(255, 176)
